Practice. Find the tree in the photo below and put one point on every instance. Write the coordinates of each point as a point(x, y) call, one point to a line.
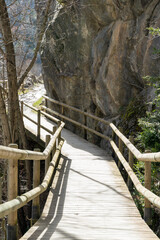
point(14, 131)
point(11, 118)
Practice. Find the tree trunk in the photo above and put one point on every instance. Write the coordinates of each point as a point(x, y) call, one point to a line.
point(4, 120)
point(15, 118)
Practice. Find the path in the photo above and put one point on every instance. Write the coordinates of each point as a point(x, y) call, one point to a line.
point(89, 200)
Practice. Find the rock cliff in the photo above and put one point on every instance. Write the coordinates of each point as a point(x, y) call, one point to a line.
point(95, 52)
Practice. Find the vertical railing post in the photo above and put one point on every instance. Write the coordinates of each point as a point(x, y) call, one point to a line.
point(22, 108)
point(12, 193)
point(38, 123)
point(47, 161)
point(85, 123)
point(1, 190)
point(120, 144)
point(130, 161)
point(62, 111)
point(36, 182)
point(59, 137)
point(147, 204)
point(45, 102)
point(113, 138)
point(2, 233)
point(54, 147)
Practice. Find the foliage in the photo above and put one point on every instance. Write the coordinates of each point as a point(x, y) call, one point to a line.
point(149, 136)
point(38, 102)
point(154, 31)
point(130, 114)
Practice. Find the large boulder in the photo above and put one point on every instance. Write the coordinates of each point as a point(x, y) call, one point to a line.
point(95, 52)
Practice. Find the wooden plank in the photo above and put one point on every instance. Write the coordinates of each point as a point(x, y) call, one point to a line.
point(89, 200)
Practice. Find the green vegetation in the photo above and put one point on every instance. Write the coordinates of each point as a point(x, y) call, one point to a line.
point(38, 103)
point(135, 109)
point(20, 91)
point(149, 135)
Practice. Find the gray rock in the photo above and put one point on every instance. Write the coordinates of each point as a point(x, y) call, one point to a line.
point(95, 53)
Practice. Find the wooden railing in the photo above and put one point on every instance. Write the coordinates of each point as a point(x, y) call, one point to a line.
point(149, 196)
point(12, 154)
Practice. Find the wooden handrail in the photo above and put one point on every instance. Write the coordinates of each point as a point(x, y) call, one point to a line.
point(150, 157)
point(18, 154)
point(76, 123)
point(140, 188)
point(22, 200)
point(145, 157)
point(10, 153)
point(77, 110)
point(31, 107)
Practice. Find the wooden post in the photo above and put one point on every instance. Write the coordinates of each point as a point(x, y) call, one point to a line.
point(54, 148)
point(120, 143)
point(85, 123)
point(59, 137)
point(2, 231)
point(22, 108)
point(147, 204)
point(1, 190)
point(130, 161)
point(47, 161)
point(38, 123)
point(12, 193)
point(113, 138)
point(45, 104)
point(62, 111)
point(36, 182)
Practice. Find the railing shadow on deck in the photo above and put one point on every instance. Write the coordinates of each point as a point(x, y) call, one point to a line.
point(133, 152)
point(104, 184)
point(52, 151)
point(55, 210)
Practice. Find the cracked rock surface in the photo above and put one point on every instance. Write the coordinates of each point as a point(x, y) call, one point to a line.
point(95, 52)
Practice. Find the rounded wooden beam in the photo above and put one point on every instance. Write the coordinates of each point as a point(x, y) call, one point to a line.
point(12, 183)
point(20, 201)
point(36, 182)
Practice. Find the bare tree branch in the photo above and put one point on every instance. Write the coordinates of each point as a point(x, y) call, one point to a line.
point(43, 28)
point(2, 52)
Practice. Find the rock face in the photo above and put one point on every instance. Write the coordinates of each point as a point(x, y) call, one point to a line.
point(95, 52)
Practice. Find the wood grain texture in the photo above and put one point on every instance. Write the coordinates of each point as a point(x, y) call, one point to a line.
point(88, 199)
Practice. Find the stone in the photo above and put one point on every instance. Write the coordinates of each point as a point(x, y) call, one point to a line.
point(95, 53)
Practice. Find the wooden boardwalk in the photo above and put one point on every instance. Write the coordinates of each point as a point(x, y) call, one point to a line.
point(89, 199)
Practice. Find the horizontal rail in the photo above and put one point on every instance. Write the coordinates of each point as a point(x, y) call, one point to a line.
point(46, 129)
point(22, 200)
point(76, 123)
point(56, 120)
point(150, 157)
point(140, 188)
point(31, 107)
point(128, 144)
point(41, 126)
point(77, 110)
point(10, 153)
point(146, 157)
point(33, 121)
